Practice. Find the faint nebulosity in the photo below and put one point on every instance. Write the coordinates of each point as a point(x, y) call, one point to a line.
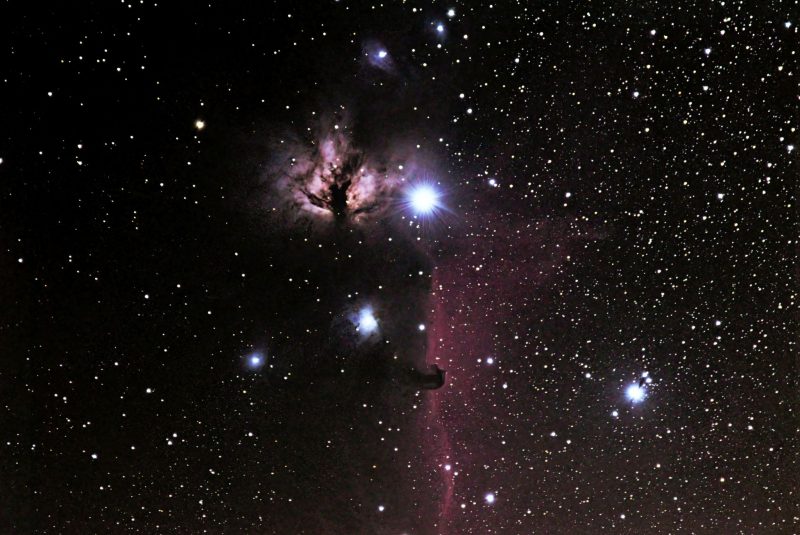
point(403, 268)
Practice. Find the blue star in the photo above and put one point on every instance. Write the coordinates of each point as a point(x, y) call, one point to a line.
point(255, 361)
point(635, 393)
point(424, 199)
point(366, 323)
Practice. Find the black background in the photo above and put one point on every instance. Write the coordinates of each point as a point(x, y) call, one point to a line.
point(629, 273)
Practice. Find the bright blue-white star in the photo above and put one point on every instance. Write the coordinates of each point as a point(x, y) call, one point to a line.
point(489, 498)
point(366, 322)
point(424, 199)
point(255, 361)
point(635, 393)
point(378, 56)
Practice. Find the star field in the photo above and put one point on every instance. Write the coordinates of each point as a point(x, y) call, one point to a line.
point(402, 268)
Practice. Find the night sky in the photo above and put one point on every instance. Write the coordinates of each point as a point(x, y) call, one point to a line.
point(241, 241)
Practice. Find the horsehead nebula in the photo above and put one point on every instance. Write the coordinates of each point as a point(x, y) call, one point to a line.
point(407, 267)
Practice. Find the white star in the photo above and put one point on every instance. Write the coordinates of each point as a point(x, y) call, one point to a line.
point(367, 323)
point(255, 361)
point(424, 199)
point(635, 393)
